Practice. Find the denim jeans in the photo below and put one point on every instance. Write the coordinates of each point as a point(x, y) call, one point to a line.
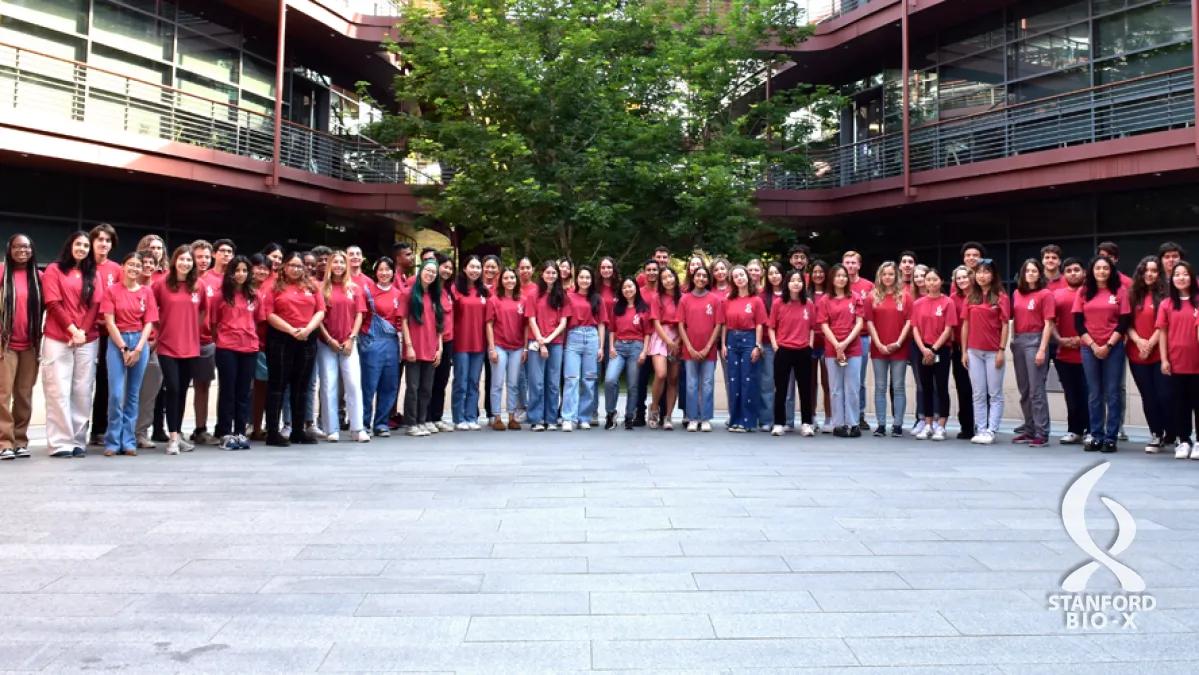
point(864, 361)
point(506, 370)
point(1155, 397)
point(766, 382)
point(544, 375)
point(380, 362)
point(1104, 398)
point(464, 400)
point(581, 366)
point(701, 376)
point(986, 385)
point(627, 353)
point(124, 390)
point(338, 368)
point(1030, 380)
point(843, 385)
point(744, 387)
point(890, 371)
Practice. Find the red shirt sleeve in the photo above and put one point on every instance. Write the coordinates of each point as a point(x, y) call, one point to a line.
point(151, 308)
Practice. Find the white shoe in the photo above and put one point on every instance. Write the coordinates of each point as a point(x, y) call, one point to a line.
point(1086, 440)
point(318, 434)
point(692, 427)
point(285, 431)
point(473, 426)
point(766, 428)
point(827, 427)
point(806, 430)
point(584, 426)
point(551, 427)
point(938, 432)
point(462, 426)
point(1182, 451)
point(1154, 444)
point(988, 438)
point(173, 447)
point(360, 436)
point(429, 427)
point(978, 438)
point(446, 427)
point(334, 437)
point(1195, 451)
point(184, 445)
point(1070, 439)
point(413, 430)
point(921, 425)
point(568, 427)
point(522, 416)
point(705, 427)
point(777, 430)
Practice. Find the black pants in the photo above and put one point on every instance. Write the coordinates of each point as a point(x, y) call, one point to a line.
point(235, 371)
point(1184, 390)
point(961, 382)
point(486, 388)
point(934, 379)
point(289, 362)
point(786, 363)
point(1074, 390)
point(176, 378)
point(99, 424)
point(643, 382)
point(419, 391)
point(441, 380)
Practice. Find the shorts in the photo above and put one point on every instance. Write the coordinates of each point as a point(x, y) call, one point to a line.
point(657, 346)
point(818, 353)
point(260, 372)
point(204, 368)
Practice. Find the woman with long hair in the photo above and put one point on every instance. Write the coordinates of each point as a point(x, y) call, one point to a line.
point(379, 348)
point(130, 313)
point(581, 359)
point(491, 279)
point(181, 310)
point(1033, 317)
point(566, 274)
point(20, 340)
point(721, 282)
point(71, 293)
point(962, 282)
point(741, 335)
point(260, 273)
point(888, 321)
point(422, 323)
point(274, 253)
point(294, 307)
point(470, 310)
point(985, 334)
point(665, 348)
point(547, 324)
point(1101, 316)
point(156, 246)
point(507, 342)
point(934, 317)
point(840, 315)
point(916, 291)
point(1178, 324)
point(774, 286)
point(608, 282)
point(233, 313)
point(792, 318)
point(443, 367)
point(757, 271)
point(151, 398)
point(819, 283)
point(1148, 291)
point(631, 328)
point(337, 353)
point(701, 321)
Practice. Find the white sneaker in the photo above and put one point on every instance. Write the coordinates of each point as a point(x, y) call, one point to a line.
point(777, 430)
point(173, 447)
point(522, 416)
point(551, 427)
point(1086, 440)
point(978, 438)
point(446, 427)
point(473, 426)
point(285, 431)
point(1154, 444)
point(1182, 451)
point(360, 436)
point(429, 427)
point(921, 425)
point(938, 432)
point(462, 426)
point(988, 438)
point(584, 426)
point(413, 430)
point(827, 427)
point(317, 433)
point(705, 427)
point(692, 427)
point(1195, 451)
point(765, 428)
point(806, 430)
point(184, 445)
point(568, 427)
point(334, 437)
point(1070, 439)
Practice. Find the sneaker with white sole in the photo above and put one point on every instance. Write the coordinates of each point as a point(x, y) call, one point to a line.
point(705, 426)
point(144, 443)
point(584, 426)
point(430, 427)
point(173, 447)
point(924, 431)
point(185, 446)
point(473, 426)
point(1195, 451)
point(462, 426)
point(415, 431)
point(445, 427)
point(285, 431)
point(360, 436)
point(317, 433)
point(334, 437)
point(1182, 450)
point(568, 427)
point(1070, 438)
point(921, 425)
point(777, 430)
point(229, 443)
point(806, 430)
point(938, 432)
point(827, 427)
point(977, 439)
point(1154, 444)
point(988, 438)
point(8, 453)
point(692, 426)
point(522, 416)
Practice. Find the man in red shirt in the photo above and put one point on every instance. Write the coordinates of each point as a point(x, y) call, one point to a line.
point(972, 252)
point(1171, 253)
point(1051, 261)
point(401, 251)
point(852, 260)
point(108, 272)
point(222, 254)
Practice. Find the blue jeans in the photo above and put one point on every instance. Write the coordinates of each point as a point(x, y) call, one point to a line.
point(627, 353)
point(380, 360)
point(581, 365)
point(744, 388)
point(701, 376)
point(986, 386)
point(1155, 397)
point(464, 399)
point(124, 387)
point(1104, 399)
point(544, 376)
point(766, 381)
point(891, 370)
point(847, 407)
point(506, 370)
point(864, 362)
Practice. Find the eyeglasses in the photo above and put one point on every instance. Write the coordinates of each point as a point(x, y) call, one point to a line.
point(294, 266)
point(985, 261)
point(22, 247)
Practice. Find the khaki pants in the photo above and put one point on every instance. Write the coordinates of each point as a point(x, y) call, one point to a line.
point(67, 378)
point(18, 375)
point(151, 385)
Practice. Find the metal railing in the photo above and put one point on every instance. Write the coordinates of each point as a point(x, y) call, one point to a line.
point(1118, 110)
point(382, 7)
point(48, 87)
point(819, 11)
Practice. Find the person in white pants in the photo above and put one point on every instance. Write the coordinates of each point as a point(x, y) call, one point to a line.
point(337, 352)
point(71, 293)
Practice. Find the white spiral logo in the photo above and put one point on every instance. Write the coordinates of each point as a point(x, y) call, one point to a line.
point(1074, 518)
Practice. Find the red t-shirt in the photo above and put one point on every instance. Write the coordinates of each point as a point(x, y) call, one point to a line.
point(110, 274)
point(548, 318)
point(889, 318)
point(470, 312)
point(1030, 311)
point(62, 295)
point(236, 327)
point(1063, 306)
point(817, 334)
point(1057, 284)
point(209, 286)
point(344, 305)
point(528, 291)
point(447, 314)
point(861, 289)
point(932, 315)
point(580, 311)
point(363, 281)
point(840, 313)
point(792, 323)
point(131, 310)
point(1101, 314)
point(1144, 320)
point(1182, 336)
point(664, 310)
point(507, 319)
point(19, 340)
point(179, 320)
point(701, 315)
point(609, 297)
point(959, 306)
point(742, 313)
point(987, 322)
point(632, 325)
point(423, 335)
point(387, 305)
point(294, 304)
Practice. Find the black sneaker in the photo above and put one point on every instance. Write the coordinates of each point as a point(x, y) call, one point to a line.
point(1109, 446)
point(863, 424)
point(964, 435)
point(277, 440)
point(610, 421)
point(302, 438)
point(639, 421)
point(628, 423)
point(897, 431)
point(842, 432)
point(1094, 446)
point(855, 432)
point(78, 452)
point(22, 453)
point(160, 436)
point(881, 431)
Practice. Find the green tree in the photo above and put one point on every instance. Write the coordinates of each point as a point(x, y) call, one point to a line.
point(588, 127)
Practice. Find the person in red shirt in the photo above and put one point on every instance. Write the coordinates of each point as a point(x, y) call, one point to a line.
point(741, 336)
point(337, 353)
point(916, 291)
point(524, 273)
point(442, 370)
point(818, 284)
point(1033, 317)
point(792, 316)
point(721, 283)
point(771, 291)
point(547, 324)
point(294, 307)
point(491, 281)
point(233, 314)
point(852, 260)
point(130, 313)
point(470, 312)
point(422, 324)
point(181, 311)
point(934, 317)
point(581, 356)
point(665, 348)
point(260, 272)
point(701, 321)
point(1178, 324)
point(103, 238)
point(379, 348)
point(1067, 358)
point(888, 322)
point(963, 282)
point(609, 286)
point(72, 292)
point(985, 336)
point(756, 270)
point(507, 339)
point(1101, 317)
point(841, 318)
point(204, 369)
point(151, 402)
point(1051, 262)
point(631, 326)
point(1144, 359)
point(155, 245)
point(566, 274)
point(20, 341)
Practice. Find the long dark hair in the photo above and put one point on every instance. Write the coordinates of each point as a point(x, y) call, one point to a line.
point(993, 292)
point(622, 304)
point(87, 267)
point(599, 281)
point(462, 284)
point(831, 292)
point(416, 299)
point(229, 289)
point(1193, 293)
point(555, 295)
point(1092, 285)
point(593, 291)
point(1140, 290)
point(767, 289)
point(677, 295)
point(499, 284)
point(173, 274)
point(803, 291)
point(304, 281)
point(1022, 285)
point(33, 299)
point(828, 277)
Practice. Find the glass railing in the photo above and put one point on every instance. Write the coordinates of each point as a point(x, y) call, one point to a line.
point(1118, 110)
point(50, 88)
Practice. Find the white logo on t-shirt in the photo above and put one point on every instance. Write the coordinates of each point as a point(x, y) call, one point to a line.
point(1111, 299)
point(250, 305)
point(749, 309)
point(208, 291)
point(1032, 304)
point(940, 310)
point(899, 306)
point(395, 303)
point(852, 308)
point(110, 280)
point(520, 309)
point(636, 319)
point(142, 303)
point(195, 298)
point(805, 315)
point(709, 312)
point(483, 301)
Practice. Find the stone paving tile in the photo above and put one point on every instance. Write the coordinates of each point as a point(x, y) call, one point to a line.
point(655, 627)
point(721, 653)
point(712, 602)
point(492, 656)
point(831, 625)
point(918, 651)
point(799, 581)
point(472, 604)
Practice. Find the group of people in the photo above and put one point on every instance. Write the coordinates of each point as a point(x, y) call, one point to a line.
point(285, 333)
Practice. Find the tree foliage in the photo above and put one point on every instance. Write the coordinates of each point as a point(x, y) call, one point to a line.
point(574, 127)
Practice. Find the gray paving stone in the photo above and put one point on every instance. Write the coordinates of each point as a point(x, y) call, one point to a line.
point(98, 584)
point(270, 568)
point(488, 656)
point(63, 604)
point(709, 602)
point(983, 622)
point(473, 604)
point(652, 627)
point(599, 565)
point(167, 604)
point(918, 651)
point(517, 583)
point(213, 657)
point(721, 653)
point(915, 600)
point(487, 566)
point(665, 548)
point(831, 625)
point(343, 629)
point(31, 655)
point(391, 552)
point(802, 581)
